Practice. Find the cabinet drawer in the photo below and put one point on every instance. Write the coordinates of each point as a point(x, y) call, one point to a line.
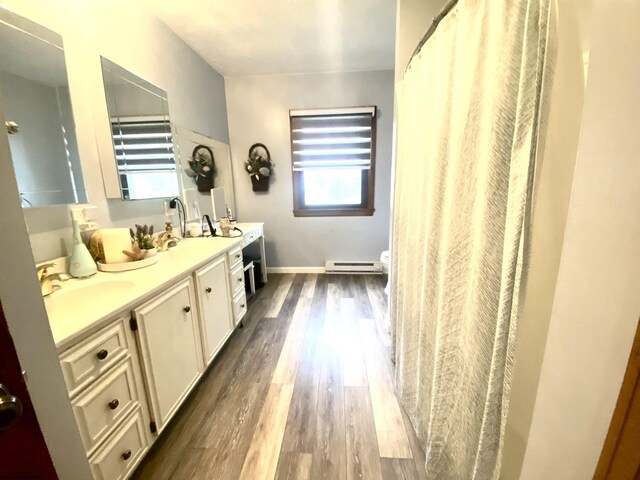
point(105, 404)
point(239, 306)
point(237, 279)
point(235, 256)
point(251, 236)
point(120, 454)
point(94, 356)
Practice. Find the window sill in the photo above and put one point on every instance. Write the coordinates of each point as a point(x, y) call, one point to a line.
point(345, 212)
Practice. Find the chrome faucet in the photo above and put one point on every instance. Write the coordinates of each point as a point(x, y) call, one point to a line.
point(46, 279)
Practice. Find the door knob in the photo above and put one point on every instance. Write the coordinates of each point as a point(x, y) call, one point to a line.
point(12, 127)
point(10, 408)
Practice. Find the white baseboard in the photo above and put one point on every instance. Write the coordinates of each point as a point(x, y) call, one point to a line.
point(295, 269)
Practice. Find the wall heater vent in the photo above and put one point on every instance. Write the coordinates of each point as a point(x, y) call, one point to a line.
point(333, 266)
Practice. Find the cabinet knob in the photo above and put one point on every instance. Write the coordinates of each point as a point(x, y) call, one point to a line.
point(242, 306)
point(187, 309)
point(240, 279)
point(237, 255)
point(102, 354)
point(126, 455)
point(113, 404)
point(208, 289)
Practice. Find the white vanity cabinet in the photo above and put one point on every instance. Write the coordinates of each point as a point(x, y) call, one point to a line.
point(170, 348)
point(130, 370)
point(104, 380)
point(214, 305)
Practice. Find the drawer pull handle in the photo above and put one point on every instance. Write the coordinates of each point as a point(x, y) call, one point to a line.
point(113, 404)
point(208, 289)
point(237, 255)
point(102, 354)
point(242, 306)
point(240, 279)
point(187, 309)
point(126, 455)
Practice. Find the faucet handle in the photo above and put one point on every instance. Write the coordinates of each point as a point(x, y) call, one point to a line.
point(42, 269)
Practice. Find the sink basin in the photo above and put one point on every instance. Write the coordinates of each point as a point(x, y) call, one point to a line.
point(75, 297)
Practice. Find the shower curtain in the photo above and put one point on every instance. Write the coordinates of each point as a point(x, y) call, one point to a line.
point(468, 128)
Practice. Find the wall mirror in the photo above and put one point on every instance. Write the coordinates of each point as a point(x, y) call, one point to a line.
point(38, 114)
point(141, 135)
point(198, 203)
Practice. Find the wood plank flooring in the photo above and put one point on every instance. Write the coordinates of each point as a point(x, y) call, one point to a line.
point(303, 391)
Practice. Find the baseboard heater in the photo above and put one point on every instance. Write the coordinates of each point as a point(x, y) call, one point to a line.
point(332, 266)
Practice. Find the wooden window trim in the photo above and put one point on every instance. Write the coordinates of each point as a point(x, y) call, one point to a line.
point(360, 211)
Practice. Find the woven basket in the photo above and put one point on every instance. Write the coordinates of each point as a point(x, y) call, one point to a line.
point(260, 183)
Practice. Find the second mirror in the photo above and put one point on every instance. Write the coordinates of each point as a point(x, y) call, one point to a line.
point(141, 132)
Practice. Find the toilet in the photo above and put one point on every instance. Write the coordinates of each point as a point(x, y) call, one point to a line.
point(384, 259)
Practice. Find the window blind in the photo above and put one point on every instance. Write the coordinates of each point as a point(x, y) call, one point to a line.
point(340, 138)
point(143, 145)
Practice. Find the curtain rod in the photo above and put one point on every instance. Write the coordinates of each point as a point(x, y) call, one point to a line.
point(434, 25)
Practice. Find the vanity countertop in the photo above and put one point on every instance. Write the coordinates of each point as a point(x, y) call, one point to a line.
point(83, 304)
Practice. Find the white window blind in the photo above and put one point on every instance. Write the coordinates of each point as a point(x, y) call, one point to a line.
point(145, 157)
point(143, 145)
point(333, 138)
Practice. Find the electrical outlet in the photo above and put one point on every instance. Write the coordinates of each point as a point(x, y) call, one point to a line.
point(168, 211)
point(77, 213)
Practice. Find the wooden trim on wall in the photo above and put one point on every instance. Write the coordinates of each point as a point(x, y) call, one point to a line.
point(621, 415)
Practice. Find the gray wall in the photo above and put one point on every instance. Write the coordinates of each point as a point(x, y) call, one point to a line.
point(259, 112)
point(129, 36)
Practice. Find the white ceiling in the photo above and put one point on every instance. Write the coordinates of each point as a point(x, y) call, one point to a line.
point(244, 37)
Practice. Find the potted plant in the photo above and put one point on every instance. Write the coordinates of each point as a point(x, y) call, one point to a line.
point(259, 167)
point(202, 168)
point(143, 238)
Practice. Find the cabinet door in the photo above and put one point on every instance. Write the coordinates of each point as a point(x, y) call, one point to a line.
point(170, 348)
point(215, 310)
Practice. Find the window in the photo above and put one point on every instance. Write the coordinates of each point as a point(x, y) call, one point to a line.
point(333, 158)
point(144, 154)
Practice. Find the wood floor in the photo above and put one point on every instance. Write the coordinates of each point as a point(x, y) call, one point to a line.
point(303, 391)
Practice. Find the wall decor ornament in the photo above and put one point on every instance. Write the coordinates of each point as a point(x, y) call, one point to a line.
point(259, 167)
point(202, 168)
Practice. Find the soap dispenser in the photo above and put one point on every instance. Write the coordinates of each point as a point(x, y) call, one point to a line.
point(81, 264)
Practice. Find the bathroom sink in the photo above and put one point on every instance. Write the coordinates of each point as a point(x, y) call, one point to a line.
point(74, 297)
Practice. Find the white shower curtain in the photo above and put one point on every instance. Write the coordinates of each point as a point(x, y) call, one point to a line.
point(468, 124)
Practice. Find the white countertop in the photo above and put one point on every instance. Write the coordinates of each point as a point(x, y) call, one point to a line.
point(83, 304)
